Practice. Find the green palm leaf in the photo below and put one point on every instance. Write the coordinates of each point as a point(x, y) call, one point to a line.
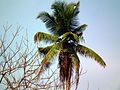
point(50, 55)
point(71, 13)
point(39, 36)
point(72, 10)
point(59, 13)
point(65, 16)
point(76, 9)
point(65, 35)
point(80, 29)
point(44, 50)
point(49, 21)
point(59, 8)
point(87, 52)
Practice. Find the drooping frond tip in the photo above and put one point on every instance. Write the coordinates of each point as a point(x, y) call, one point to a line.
point(50, 54)
point(78, 3)
point(87, 52)
point(80, 28)
point(45, 50)
point(76, 64)
point(39, 36)
point(42, 14)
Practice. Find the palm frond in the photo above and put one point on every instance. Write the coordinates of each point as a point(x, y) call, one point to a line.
point(66, 16)
point(76, 9)
point(76, 64)
point(87, 52)
point(44, 51)
point(74, 17)
point(80, 29)
point(58, 8)
point(59, 13)
point(65, 35)
point(49, 21)
point(70, 10)
point(39, 36)
point(50, 55)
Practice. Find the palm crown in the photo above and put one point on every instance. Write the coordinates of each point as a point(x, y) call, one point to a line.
point(66, 35)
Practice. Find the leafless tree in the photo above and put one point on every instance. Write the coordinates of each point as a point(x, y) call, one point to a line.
point(20, 64)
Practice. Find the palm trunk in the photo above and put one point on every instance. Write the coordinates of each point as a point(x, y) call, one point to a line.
point(68, 83)
point(65, 69)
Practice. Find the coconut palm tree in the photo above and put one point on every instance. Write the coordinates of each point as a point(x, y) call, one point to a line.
point(65, 37)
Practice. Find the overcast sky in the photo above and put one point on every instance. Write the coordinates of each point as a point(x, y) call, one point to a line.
point(102, 35)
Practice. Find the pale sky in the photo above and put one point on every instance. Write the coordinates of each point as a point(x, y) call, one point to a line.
point(102, 35)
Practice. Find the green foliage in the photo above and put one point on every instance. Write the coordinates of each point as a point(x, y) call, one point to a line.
point(49, 21)
point(64, 17)
point(45, 50)
point(51, 53)
point(65, 36)
point(80, 28)
point(87, 52)
point(39, 36)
